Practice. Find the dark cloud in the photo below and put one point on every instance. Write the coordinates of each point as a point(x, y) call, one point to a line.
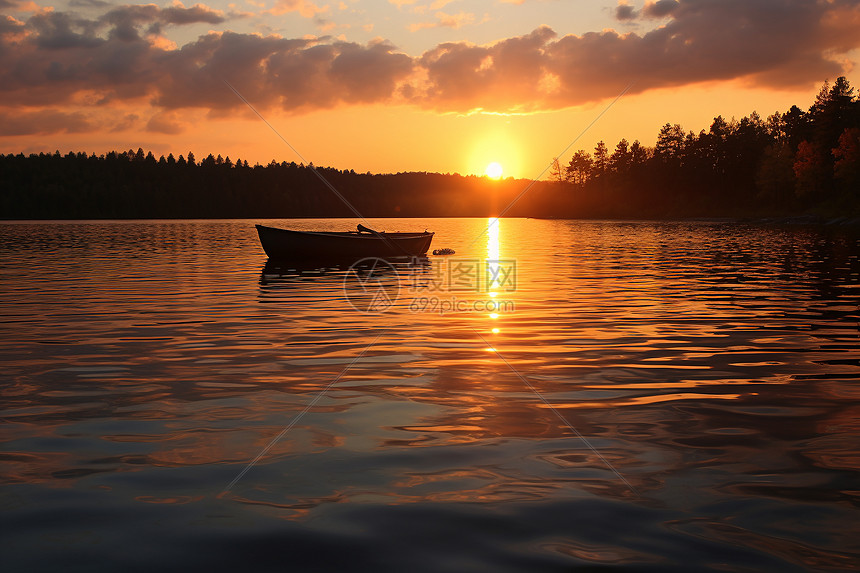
point(625, 12)
point(125, 21)
point(504, 75)
point(194, 15)
point(660, 8)
point(88, 3)
point(195, 75)
point(6, 4)
point(62, 31)
point(354, 64)
point(64, 55)
point(9, 27)
point(55, 58)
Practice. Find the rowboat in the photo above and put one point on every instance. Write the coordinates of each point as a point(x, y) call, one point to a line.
point(283, 244)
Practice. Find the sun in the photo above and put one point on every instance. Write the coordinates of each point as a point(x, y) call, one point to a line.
point(494, 170)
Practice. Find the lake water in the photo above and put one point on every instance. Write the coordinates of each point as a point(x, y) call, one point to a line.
point(664, 396)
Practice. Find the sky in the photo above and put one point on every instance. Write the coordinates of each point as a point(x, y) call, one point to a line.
point(387, 86)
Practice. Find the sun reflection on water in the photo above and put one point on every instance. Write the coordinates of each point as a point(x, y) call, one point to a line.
point(492, 262)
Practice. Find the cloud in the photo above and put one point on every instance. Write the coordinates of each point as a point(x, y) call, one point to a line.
point(426, 8)
point(49, 121)
point(504, 75)
point(660, 8)
point(20, 6)
point(293, 74)
point(10, 29)
point(44, 121)
point(198, 13)
point(325, 25)
point(305, 8)
point(125, 20)
point(167, 122)
point(55, 59)
point(624, 11)
point(444, 20)
point(774, 43)
point(55, 56)
point(128, 121)
point(87, 3)
point(116, 57)
point(62, 30)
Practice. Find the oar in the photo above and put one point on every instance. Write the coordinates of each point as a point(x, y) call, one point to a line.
point(388, 241)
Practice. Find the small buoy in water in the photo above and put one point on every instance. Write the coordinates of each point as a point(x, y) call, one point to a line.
point(445, 251)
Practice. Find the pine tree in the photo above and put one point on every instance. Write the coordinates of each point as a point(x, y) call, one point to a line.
point(601, 159)
point(579, 168)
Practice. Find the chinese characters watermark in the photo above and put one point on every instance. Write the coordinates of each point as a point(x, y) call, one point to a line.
point(450, 285)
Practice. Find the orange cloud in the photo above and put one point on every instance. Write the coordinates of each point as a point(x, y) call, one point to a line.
point(20, 6)
point(168, 122)
point(305, 8)
point(425, 8)
point(444, 20)
point(45, 121)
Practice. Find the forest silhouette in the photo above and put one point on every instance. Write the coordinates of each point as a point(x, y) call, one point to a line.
point(789, 164)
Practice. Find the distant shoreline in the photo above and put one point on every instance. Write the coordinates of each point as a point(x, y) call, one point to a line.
point(791, 221)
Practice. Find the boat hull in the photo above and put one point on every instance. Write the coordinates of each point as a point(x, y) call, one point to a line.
point(284, 244)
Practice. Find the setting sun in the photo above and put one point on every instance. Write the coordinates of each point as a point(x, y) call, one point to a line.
point(494, 170)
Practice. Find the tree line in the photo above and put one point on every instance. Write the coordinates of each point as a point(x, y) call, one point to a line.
point(134, 184)
point(790, 163)
point(797, 162)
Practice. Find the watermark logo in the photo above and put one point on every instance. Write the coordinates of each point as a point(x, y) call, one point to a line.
point(447, 305)
point(450, 285)
point(371, 285)
point(468, 275)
